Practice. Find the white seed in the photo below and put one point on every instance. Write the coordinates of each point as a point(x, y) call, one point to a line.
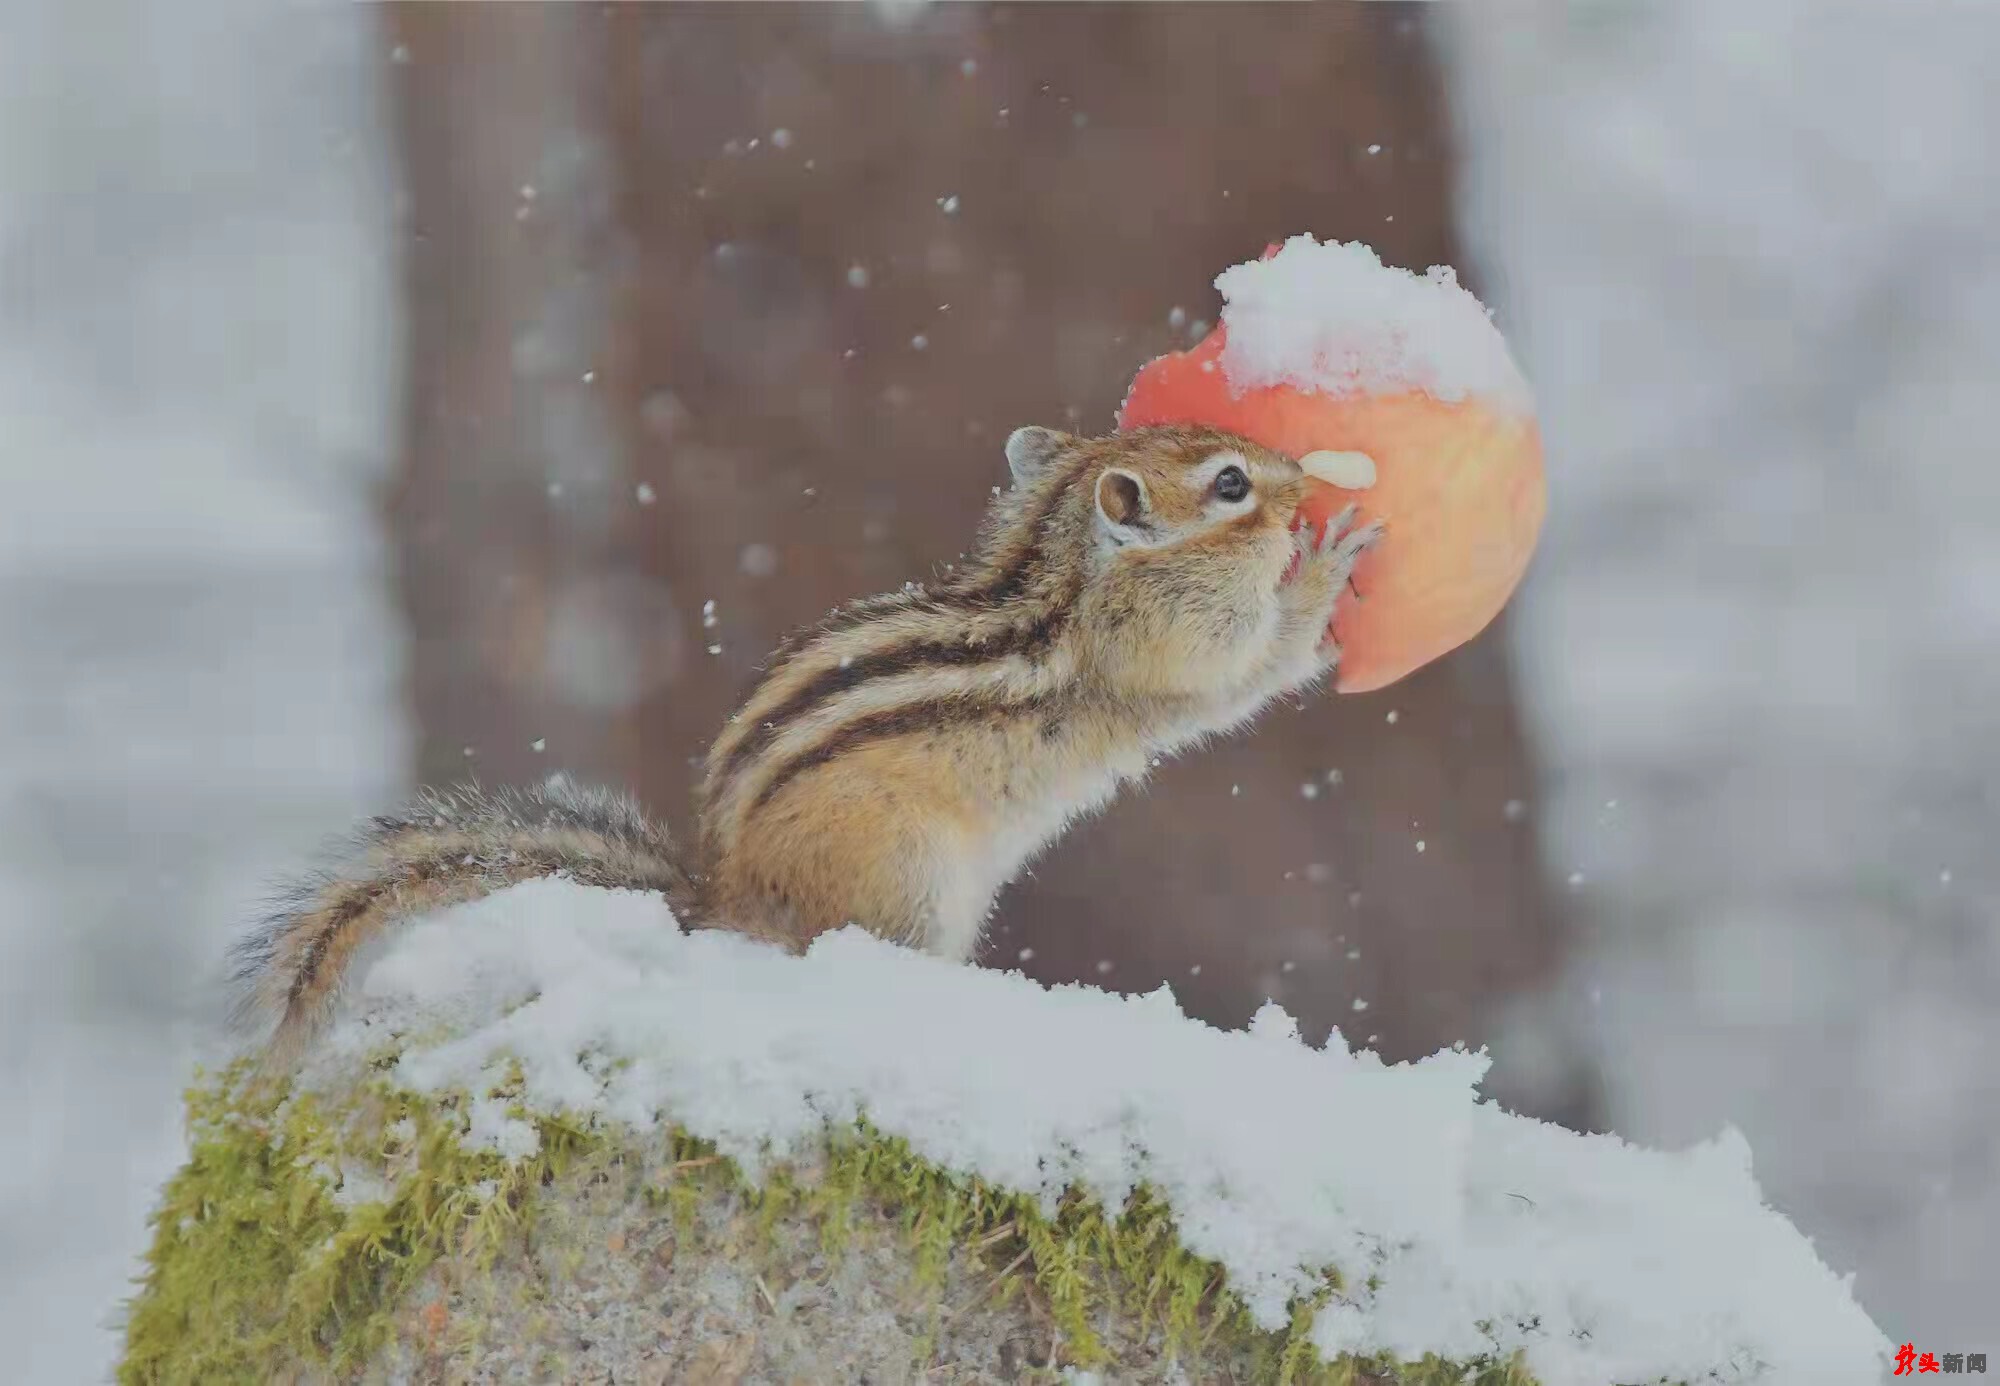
point(1352, 471)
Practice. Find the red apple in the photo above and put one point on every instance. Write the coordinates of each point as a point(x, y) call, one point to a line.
point(1459, 486)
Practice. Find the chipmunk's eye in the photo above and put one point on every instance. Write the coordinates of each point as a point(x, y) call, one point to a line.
point(1231, 484)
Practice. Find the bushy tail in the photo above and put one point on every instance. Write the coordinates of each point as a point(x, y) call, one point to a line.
point(444, 849)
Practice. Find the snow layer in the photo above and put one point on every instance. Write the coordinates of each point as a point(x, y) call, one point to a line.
point(1603, 1261)
point(1332, 318)
point(1747, 254)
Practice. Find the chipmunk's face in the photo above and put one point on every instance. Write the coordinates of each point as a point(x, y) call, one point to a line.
point(1176, 495)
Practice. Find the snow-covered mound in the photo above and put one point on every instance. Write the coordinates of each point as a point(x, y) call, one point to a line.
point(1459, 1229)
point(1332, 318)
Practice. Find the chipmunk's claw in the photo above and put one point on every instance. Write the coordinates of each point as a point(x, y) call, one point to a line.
point(1331, 532)
point(1342, 545)
point(1336, 545)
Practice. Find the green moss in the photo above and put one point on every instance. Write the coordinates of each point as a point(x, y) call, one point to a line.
point(263, 1266)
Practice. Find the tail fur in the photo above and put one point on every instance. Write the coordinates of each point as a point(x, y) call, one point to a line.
point(444, 849)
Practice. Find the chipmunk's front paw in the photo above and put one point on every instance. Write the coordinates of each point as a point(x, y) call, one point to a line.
point(1330, 556)
point(1332, 553)
point(1341, 545)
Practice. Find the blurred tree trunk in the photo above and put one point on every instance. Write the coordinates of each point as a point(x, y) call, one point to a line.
point(514, 522)
point(787, 277)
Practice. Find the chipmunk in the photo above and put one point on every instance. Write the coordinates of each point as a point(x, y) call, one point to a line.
point(1129, 597)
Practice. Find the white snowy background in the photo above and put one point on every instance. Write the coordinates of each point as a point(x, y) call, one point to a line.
point(1744, 253)
point(198, 655)
point(1747, 255)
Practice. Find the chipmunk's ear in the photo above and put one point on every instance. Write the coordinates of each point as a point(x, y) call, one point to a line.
point(1031, 449)
point(1122, 506)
